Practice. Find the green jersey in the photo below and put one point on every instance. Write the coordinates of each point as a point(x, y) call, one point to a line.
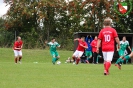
point(53, 46)
point(124, 45)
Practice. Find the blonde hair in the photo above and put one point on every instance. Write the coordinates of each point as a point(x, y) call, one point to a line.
point(107, 21)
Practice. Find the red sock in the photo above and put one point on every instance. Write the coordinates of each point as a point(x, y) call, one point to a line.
point(108, 64)
point(77, 61)
point(16, 60)
point(104, 65)
point(20, 58)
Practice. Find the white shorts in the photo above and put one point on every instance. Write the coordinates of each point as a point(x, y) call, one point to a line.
point(78, 53)
point(108, 56)
point(17, 53)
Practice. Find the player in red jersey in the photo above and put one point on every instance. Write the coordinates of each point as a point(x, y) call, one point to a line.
point(107, 37)
point(17, 49)
point(94, 49)
point(80, 49)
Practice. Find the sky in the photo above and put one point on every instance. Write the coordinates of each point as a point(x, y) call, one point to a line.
point(3, 8)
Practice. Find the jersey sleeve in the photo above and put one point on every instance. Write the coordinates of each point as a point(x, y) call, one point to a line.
point(79, 40)
point(49, 43)
point(92, 44)
point(86, 44)
point(127, 43)
point(57, 44)
point(115, 33)
point(100, 35)
point(15, 45)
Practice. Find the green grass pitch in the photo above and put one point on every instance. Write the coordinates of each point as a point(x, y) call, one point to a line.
point(46, 75)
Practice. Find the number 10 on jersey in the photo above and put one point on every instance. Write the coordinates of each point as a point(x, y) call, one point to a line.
point(107, 38)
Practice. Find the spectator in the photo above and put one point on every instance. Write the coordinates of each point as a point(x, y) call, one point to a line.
point(88, 51)
point(94, 49)
point(98, 57)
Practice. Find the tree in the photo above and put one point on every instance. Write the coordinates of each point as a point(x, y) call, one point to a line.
point(42, 19)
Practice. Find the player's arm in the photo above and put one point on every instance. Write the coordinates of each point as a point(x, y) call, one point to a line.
point(17, 48)
point(93, 45)
point(118, 42)
point(91, 39)
point(129, 48)
point(86, 39)
point(46, 42)
point(21, 46)
point(76, 39)
point(58, 45)
point(84, 46)
point(117, 47)
point(98, 45)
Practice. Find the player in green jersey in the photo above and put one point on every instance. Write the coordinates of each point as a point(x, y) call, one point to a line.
point(127, 57)
point(123, 45)
point(53, 45)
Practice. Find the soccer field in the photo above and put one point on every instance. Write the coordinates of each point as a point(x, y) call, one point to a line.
point(37, 71)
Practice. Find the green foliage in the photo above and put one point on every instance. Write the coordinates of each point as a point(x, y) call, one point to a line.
point(46, 75)
point(61, 19)
point(6, 37)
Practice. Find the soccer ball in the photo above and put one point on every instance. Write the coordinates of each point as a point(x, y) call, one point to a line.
point(58, 62)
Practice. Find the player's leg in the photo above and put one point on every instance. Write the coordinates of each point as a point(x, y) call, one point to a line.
point(57, 56)
point(16, 56)
point(87, 56)
point(90, 55)
point(121, 53)
point(127, 57)
point(98, 56)
point(53, 57)
point(95, 57)
point(75, 54)
point(119, 61)
point(105, 60)
point(109, 59)
point(126, 61)
point(20, 56)
point(80, 53)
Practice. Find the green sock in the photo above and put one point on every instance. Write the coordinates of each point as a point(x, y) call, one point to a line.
point(88, 58)
point(97, 59)
point(122, 61)
point(118, 61)
point(53, 60)
point(127, 57)
point(56, 59)
point(126, 61)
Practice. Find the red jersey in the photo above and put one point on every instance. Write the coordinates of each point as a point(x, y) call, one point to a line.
point(107, 36)
point(94, 45)
point(18, 45)
point(80, 48)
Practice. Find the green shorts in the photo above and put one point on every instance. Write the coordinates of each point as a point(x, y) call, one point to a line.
point(132, 49)
point(121, 52)
point(88, 53)
point(54, 53)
